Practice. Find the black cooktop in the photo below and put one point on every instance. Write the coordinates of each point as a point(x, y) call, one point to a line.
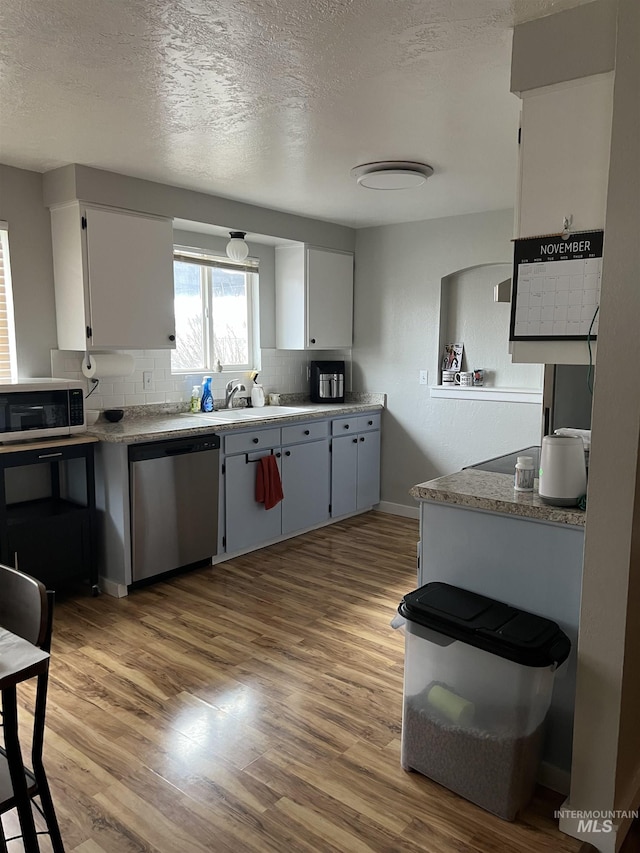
point(506, 464)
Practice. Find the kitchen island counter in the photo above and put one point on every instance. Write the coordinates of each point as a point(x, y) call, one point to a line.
point(487, 490)
point(478, 533)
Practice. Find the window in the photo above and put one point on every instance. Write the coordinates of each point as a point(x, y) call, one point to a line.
point(8, 364)
point(214, 311)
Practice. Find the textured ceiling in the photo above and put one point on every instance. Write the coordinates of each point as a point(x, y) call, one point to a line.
point(271, 101)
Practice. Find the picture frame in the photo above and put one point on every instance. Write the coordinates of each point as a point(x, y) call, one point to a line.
point(452, 356)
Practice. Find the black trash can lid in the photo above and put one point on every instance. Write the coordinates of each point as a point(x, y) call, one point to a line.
point(487, 624)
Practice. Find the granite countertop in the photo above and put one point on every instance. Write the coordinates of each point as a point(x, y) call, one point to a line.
point(494, 492)
point(147, 423)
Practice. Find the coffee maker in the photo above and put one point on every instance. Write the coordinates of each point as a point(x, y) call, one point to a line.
point(327, 381)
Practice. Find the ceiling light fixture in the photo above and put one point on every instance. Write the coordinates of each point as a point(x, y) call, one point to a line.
point(392, 174)
point(237, 249)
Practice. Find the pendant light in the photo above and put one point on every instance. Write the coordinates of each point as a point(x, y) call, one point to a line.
point(237, 249)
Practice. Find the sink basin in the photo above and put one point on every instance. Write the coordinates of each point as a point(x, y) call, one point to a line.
point(252, 414)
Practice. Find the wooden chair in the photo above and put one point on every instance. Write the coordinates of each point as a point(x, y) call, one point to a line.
point(26, 609)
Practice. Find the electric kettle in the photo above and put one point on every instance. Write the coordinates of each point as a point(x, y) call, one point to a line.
point(563, 472)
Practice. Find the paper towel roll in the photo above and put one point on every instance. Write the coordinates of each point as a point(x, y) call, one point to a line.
point(107, 364)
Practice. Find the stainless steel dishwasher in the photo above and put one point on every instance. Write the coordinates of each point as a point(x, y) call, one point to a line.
point(174, 503)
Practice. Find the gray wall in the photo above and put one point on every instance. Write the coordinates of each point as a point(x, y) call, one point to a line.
point(100, 187)
point(31, 268)
point(576, 43)
point(24, 194)
point(399, 270)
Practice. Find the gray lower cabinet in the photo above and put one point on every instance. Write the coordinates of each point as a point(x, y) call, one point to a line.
point(248, 523)
point(302, 453)
point(305, 484)
point(355, 464)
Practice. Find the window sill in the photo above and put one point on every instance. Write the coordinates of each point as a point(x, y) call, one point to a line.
point(504, 395)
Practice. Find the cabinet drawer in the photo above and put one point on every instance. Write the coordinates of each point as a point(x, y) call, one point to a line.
point(43, 454)
point(246, 441)
point(343, 426)
point(305, 432)
point(368, 422)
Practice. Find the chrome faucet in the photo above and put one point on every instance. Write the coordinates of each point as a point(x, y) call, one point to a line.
point(230, 389)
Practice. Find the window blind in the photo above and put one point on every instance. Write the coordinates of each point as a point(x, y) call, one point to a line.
point(192, 256)
point(7, 330)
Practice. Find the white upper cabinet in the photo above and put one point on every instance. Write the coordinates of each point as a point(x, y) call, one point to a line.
point(564, 156)
point(564, 168)
point(314, 298)
point(113, 275)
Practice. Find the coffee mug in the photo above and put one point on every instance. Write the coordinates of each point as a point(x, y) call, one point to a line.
point(448, 377)
point(464, 378)
point(274, 399)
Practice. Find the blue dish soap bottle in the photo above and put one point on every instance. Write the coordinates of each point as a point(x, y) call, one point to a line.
point(207, 395)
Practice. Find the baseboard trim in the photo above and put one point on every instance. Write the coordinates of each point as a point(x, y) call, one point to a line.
point(602, 835)
point(598, 835)
point(398, 509)
point(554, 778)
point(113, 588)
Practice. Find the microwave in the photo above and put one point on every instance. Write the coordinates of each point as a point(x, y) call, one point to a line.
point(41, 408)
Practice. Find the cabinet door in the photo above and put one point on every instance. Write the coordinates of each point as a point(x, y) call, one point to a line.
point(566, 135)
point(130, 280)
point(248, 523)
point(305, 484)
point(368, 491)
point(344, 474)
point(329, 299)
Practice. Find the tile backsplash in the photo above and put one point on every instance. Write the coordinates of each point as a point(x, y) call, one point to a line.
point(282, 371)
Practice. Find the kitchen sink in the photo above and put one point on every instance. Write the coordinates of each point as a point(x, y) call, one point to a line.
point(252, 414)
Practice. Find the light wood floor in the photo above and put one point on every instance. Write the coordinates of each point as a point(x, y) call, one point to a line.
point(255, 706)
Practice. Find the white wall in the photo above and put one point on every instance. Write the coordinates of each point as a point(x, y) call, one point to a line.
point(607, 740)
point(31, 268)
point(284, 371)
point(399, 270)
point(482, 325)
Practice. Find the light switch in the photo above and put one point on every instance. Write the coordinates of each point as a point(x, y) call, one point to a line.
point(147, 380)
point(424, 377)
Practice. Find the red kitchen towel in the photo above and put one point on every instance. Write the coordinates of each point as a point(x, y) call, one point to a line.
point(268, 483)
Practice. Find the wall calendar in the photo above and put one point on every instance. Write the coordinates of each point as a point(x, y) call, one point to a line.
point(556, 287)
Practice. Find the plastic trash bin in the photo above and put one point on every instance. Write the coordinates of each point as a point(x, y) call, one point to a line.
point(478, 680)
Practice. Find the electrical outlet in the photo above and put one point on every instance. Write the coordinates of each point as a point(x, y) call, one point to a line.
point(147, 380)
point(424, 377)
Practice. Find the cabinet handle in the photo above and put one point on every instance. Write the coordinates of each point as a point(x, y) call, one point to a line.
point(355, 440)
point(278, 455)
point(346, 426)
point(15, 560)
point(313, 340)
point(287, 453)
point(370, 423)
point(361, 438)
point(172, 337)
point(255, 440)
point(306, 432)
point(49, 455)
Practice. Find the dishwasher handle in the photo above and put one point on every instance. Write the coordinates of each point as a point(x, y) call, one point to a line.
point(173, 447)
